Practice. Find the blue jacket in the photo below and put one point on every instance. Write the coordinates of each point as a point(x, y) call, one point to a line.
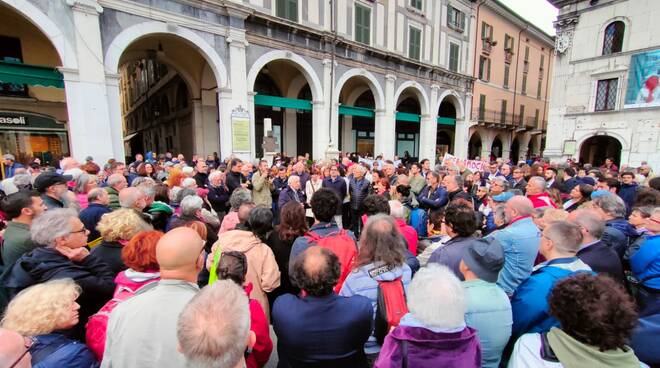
point(618, 235)
point(645, 264)
point(434, 200)
point(314, 329)
point(287, 195)
point(530, 301)
point(55, 351)
point(338, 186)
point(9, 170)
point(569, 184)
point(451, 254)
point(628, 192)
point(644, 339)
point(91, 216)
point(520, 241)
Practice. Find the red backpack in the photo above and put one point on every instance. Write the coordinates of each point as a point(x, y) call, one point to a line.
point(97, 325)
point(342, 245)
point(390, 307)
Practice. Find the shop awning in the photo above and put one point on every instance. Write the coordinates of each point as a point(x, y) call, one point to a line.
point(128, 137)
point(356, 111)
point(287, 103)
point(33, 75)
point(406, 116)
point(446, 121)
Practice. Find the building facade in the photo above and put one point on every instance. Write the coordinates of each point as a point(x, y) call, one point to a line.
point(605, 101)
point(376, 76)
point(513, 68)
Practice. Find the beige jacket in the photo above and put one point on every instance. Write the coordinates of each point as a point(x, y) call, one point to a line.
point(262, 272)
point(261, 188)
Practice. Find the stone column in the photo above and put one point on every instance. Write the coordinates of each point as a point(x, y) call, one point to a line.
point(347, 134)
point(330, 122)
point(428, 131)
point(87, 105)
point(225, 105)
point(116, 129)
point(385, 124)
point(462, 129)
point(290, 137)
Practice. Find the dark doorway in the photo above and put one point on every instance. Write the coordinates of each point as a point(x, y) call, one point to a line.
point(474, 147)
point(596, 149)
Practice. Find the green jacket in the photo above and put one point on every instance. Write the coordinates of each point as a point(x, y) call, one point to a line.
point(417, 183)
point(114, 198)
point(261, 190)
point(16, 242)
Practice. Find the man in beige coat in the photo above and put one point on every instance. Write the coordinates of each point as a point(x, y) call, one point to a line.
point(262, 185)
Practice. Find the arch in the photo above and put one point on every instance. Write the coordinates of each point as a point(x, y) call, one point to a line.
point(372, 82)
point(299, 62)
point(422, 97)
point(356, 93)
point(458, 103)
point(57, 38)
point(296, 85)
point(187, 77)
point(617, 136)
point(607, 23)
point(601, 147)
point(129, 35)
point(613, 37)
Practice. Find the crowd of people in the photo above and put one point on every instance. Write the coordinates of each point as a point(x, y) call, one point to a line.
point(348, 262)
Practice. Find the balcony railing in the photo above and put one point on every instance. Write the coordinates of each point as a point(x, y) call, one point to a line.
point(495, 117)
point(486, 45)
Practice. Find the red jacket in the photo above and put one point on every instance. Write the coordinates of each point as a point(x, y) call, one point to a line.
point(410, 234)
point(259, 325)
point(541, 200)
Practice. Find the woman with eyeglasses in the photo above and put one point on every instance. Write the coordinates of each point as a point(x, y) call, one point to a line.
point(46, 327)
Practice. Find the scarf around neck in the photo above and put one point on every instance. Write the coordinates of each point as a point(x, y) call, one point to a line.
point(574, 354)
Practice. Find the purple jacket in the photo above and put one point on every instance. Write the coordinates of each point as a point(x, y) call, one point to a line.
point(430, 349)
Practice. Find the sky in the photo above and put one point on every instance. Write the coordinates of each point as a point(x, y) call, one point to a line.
point(538, 12)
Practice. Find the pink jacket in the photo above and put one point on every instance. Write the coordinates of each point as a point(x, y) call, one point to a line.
point(82, 199)
point(229, 222)
point(410, 234)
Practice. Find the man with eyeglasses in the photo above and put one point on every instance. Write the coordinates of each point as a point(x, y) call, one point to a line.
point(518, 180)
point(14, 350)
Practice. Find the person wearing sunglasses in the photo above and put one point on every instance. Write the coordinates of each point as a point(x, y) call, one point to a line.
point(46, 343)
point(15, 349)
point(62, 254)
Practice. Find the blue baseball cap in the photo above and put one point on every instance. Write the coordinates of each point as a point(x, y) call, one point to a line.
point(600, 193)
point(503, 197)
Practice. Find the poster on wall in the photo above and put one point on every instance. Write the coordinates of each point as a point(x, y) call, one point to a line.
point(240, 130)
point(643, 80)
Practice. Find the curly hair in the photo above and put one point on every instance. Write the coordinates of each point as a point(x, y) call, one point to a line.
point(319, 278)
point(324, 204)
point(39, 309)
point(594, 310)
point(121, 224)
point(140, 252)
point(647, 197)
point(292, 221)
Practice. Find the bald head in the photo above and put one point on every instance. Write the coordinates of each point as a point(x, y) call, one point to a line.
point(518, 206)
point(316, 271)
point(12, 347)
point(117, 181)
point(178, 254)
point(131, 198)
point(590, 222)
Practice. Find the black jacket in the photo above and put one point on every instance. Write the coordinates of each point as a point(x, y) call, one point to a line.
point(110, 254)
point(602, 259)
point(279, 185)
point(218, 196)
point(94, 277)
point(91, 216)
point(201, 179)
point(359, 190)
point(460, 194)
point(522, 185)
point(234, 180)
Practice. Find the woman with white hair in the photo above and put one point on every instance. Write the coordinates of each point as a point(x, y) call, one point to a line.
point(46, 327)
point(83, 184)
point(62, 254)
point(433, 333)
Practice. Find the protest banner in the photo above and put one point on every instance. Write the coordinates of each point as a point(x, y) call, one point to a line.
point(471, 165)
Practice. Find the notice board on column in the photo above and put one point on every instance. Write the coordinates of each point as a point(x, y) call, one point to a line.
point(240, 130)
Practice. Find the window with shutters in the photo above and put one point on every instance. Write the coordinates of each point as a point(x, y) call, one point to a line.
point(414, 43)
point(362, 24)
point(542, 62)
point(486, 31)
point(527, 54)
point(613, 41)
point(524, 85)
point(521, 117)
point(503, 112)
point(537, 113)
point(454, 56)
point(288, 9)
point(484, 68)
point(482, 107)
point(506, 76)
point(606, 94)
point(417, 4)
point(455, 19)
point(538, 89)
point(508, 43)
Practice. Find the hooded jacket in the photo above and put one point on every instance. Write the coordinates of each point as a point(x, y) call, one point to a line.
point(262, 271)
point(618, 235)
point(645, 264)
point(427, 348)
point(55, 350)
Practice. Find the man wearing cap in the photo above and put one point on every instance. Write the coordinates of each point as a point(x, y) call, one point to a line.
point(52, 187)
point(488, 307)
point(10, 165)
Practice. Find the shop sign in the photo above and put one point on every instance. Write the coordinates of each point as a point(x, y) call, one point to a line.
point(9, 120)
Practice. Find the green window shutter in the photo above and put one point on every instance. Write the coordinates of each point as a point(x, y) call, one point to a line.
point(524, 84)
point(503, 116)
point(488, 75)
point(453, 57)
point(281, 8)
point(482, 107)
point(450, 15)
point(288, 9)
point(415, 43)
point(293, 10)
point(506, 76)
point(536, 117)
point(526, 53)
point(538, 89)
point(462, 20)
point(362, 24)
point(522, 114)
point(417, 4)
point(542, 62)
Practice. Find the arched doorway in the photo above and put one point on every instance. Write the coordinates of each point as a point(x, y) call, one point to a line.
point(408, 120)
point(283, 94)
point(474, 147)
point(496, 149)
point(31, 88)
point(158, 68)
point(357, 116)
point(515, 151)
point(446, 126)
point(596, 149)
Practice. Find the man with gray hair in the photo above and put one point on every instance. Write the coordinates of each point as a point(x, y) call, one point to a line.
point(62, 238)
point(593, 252)
point(10, 165)
point(213, 330)
point(454, 186)
point(292, 192)
point(431, 335)
point(618, 233)
point(520, 240)
point(536, 192)
point(98, 200)
point(115, 182)
point(560, 243)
